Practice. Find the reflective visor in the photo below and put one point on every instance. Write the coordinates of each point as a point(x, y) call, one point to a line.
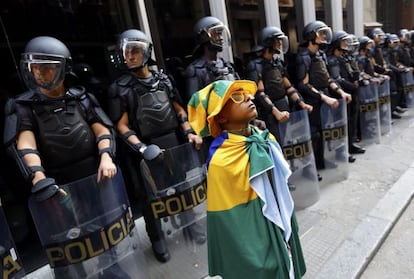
point(346, 43)
point(325, 35)
point(283, 43)
point(218, 35)
point(45, 71)
point(133, 47)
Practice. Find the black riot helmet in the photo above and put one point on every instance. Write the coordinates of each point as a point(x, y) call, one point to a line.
point(341, 40)
point(353, 48)
point(404, 35)
point(377, 34)
point(391, 38)
point(44, 63)
point(211, 30)
point(364, 42)
point(134, 41)
point(271, 34)
point(317, 29)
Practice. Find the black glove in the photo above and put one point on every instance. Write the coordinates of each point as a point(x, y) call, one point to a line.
point(45, 189)
point(149, 152)
point(152, 152)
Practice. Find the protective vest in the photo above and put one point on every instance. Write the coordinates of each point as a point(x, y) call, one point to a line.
point(318, 74)
point(152, 113)
point(378, 56)
point(350, 68)
point(405, 56)
point(334, 67)
point(210, 71)
point(273, 79)
point(63, 135)
point(366, 65)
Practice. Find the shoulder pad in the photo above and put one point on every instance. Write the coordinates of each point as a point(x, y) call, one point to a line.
point(124, 80)
point(332, 60)
point(190, 71)
point(199, 63)
point(26, 96)
point(76, 92)
point(361, 58)
point(10, 106)
point(251, 65)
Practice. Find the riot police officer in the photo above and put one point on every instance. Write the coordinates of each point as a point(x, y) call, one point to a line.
point(210, 37)
point(366, 51)
point(57, 134)
point(404, 54)
point(340, 69)
point(314, 82)
point(149, 115)
point(391, 57)
point(270, 74)
point(381, 66)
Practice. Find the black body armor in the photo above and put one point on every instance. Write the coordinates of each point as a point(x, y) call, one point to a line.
point(318, 73)
point(152, 113)
point(201, 72)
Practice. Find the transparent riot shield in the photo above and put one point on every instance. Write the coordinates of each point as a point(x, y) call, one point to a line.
point(335, 142)
point(10, 262)
point(407, 83)
point(88, 231)
point(384, 103)
point(369, 114)
point(295, 140)
point(176, 186)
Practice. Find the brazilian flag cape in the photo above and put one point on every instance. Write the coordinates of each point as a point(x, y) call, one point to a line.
point(251, 227)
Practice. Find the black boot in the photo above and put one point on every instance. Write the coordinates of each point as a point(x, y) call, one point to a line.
point(160, 250)
point(356, 149)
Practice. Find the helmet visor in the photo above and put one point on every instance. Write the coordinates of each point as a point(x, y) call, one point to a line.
point(346, 43)
point(135, 52)
point(324, 35)
point(354, 44)
point(380, 37)
point(39, 70)
point(219, 35)
point(281, 43)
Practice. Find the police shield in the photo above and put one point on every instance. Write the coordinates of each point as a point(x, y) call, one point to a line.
point(334, 137)
point(369, 114)
point(407, 83)
point(10, 262)
point(176, 183)
point(87, 230)
point(295, 140)
point(384, 104)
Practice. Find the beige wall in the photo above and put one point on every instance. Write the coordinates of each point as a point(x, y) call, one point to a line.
point(369, 14)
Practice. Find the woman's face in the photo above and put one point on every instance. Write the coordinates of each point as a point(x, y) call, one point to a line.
point(134, 56)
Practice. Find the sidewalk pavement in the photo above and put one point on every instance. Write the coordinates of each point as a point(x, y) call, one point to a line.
point(343, 230)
